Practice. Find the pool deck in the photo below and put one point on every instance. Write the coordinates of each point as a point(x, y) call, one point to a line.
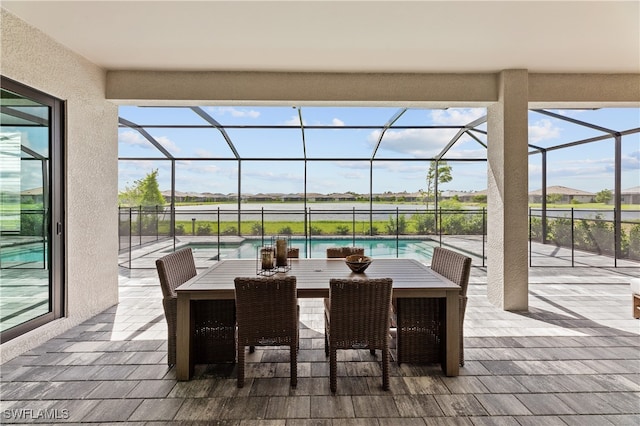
point(572, 359)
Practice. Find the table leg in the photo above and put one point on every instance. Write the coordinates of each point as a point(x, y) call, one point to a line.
point(184, 357)
point(452, 334)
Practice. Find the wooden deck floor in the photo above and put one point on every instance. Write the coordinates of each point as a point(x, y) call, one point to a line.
point(572, 359)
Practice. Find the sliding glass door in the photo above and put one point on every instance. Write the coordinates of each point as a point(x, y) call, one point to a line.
point(31, 213)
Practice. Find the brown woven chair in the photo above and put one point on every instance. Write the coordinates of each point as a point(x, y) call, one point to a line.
point(293, 252)
point(420, 321)
point(214, 320)
point(358, 318)
point(267, 315)
point(342, 252)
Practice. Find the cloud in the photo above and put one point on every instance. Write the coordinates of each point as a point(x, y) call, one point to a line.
point(234, 112)
point(456, 116)
point(203, 153)
point(273, 176)
point(543, 130)
point(294, 121)
point(466, 153)
point(353, 175)
point(168, 144)
point(570, 112)
point(357, 165)
point(413, 142)
point(631, 160)
point(133, 138)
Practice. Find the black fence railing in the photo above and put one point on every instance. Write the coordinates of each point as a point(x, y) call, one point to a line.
point(590, 231)
point(463, 229)
point(141, 226)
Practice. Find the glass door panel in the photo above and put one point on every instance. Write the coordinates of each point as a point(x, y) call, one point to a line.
point(30, 283)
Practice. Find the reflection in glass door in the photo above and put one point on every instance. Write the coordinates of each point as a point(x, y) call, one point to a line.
point(31, 235)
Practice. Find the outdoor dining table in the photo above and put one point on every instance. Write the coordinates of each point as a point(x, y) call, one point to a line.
point(411, 279)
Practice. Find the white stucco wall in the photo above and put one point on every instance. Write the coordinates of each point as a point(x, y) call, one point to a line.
point(32, 58)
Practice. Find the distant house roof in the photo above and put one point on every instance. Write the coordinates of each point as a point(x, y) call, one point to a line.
point(634, 190)
point(562, 190)
point(33, 191)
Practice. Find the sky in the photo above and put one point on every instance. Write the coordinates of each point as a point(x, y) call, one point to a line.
point(587, 167)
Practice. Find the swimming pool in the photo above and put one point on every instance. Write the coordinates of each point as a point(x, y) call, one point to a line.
point(421, 250)
point(23, 256)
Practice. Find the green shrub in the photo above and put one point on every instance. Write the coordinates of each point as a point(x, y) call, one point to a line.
point(230, 230)
point(342, 230)
point(285, 230)
point(203, 229)
point(314, 230)
point(371, 231)
point(399, 226)
point(31, 224)
point(634, 242)
point(535, 226)
point(179, 229)
point(453, 224)
point(256, 228)
point(560, 231)
point(424, 223)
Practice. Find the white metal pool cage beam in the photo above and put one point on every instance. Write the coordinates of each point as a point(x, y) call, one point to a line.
point(146, 135)
point(37, 120)
point(44, 161)
point(468, 129)
point(388, 124)
point(484, 145)
point(209, 119)
point(470, 126)
point(304, 189)
point(155, 143)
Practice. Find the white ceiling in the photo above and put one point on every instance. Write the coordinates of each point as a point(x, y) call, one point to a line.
point(333, 36)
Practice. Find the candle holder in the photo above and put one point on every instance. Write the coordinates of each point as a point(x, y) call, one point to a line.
point(266, 261)
point(283, 261)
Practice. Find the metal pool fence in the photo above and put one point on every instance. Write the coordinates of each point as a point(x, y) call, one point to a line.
point(564, 234)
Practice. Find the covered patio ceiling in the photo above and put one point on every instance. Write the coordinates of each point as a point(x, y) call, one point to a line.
point(351, 37)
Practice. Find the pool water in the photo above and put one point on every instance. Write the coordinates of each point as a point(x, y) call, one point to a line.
point(24, 255)
point(316, 248)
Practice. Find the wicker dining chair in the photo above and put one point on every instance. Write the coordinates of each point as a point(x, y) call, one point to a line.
point(420, 322)
point(342, 252)
point(214, 320)
point(358, 318)
point(267, 315)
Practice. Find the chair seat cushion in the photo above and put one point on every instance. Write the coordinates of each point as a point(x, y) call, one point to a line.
point(635, 285)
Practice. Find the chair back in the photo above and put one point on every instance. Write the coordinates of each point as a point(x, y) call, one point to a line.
point(342, 252)
point(266, 310)
point(174, 270)
point(452, 265)
point(359, 312)
point(293, 252)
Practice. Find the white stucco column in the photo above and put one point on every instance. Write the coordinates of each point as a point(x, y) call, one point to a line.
point(507, 193)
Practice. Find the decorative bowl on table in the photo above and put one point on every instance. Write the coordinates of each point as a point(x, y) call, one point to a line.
point(358, 263)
